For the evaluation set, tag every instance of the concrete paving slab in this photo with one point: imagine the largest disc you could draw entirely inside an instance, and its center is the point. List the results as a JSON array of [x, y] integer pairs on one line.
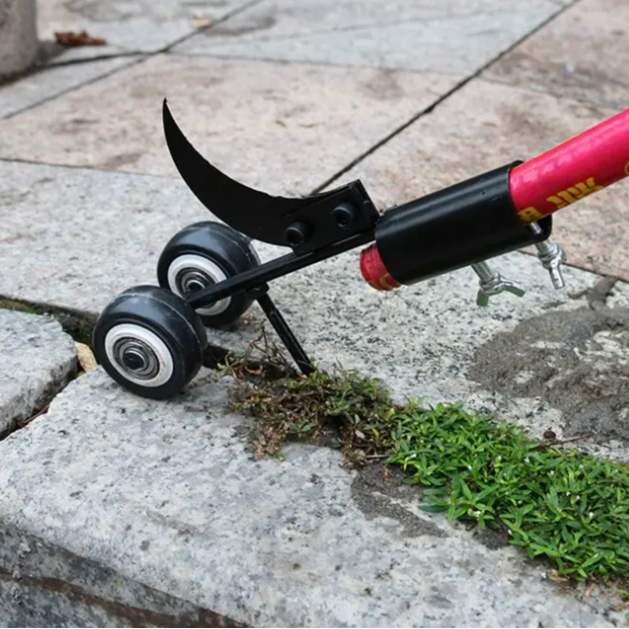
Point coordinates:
[[277, 126], [582, 54], [128, 26], [37, 361], [51, 82], [167, 497], [96, 234], [486, 125], [279, 18], [454, 37]]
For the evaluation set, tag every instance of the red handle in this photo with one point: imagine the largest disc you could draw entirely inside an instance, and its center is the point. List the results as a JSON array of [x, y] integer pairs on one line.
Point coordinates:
[[588, 162], [585, 164]]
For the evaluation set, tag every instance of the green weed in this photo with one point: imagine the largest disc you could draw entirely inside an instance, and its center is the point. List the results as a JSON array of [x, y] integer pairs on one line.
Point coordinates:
[[553, 502], [567, 506]]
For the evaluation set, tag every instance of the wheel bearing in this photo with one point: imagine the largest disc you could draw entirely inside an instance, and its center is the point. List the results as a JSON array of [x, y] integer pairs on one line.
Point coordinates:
[[191, 269], [127, 344]]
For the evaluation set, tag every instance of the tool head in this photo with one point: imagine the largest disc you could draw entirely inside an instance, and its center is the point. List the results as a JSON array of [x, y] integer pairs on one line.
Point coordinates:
[[302, 223]]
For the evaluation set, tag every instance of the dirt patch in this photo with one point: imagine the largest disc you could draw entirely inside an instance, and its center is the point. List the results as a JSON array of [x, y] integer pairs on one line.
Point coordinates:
[[559, 78], [492, 538], [383, 86], [576, 361], [124, 159], [376, 490], [256, 24], [341, 410]]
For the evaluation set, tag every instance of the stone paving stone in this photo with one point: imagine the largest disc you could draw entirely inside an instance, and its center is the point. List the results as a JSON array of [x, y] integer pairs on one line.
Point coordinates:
[[50, 82], [166, 497], [128, 26], [486, 125], [37, 359], [582, 54], [76, 238], [454, 37], [277, 126]]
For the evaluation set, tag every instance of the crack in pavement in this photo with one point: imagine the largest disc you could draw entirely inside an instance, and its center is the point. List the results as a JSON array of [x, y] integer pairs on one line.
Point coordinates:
[[71, 89], [143, 56], [442, 98]]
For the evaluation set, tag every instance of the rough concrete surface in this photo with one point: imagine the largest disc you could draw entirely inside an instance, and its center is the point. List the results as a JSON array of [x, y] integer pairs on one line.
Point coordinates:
[[582, 54], [80, 265], [51, 82], [45, 586], [119, 511], [487, 125], [18, 36], [450, 37], [578, 362], [281, 19], [69, 231], [277, 126], [38, 360], [262, 542], [128, 25]]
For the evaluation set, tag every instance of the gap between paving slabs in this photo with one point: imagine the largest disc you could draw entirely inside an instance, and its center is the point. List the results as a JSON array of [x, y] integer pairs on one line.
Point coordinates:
[[531, 493], [452, 455], [560, 504], [75, 325], [79, 326]]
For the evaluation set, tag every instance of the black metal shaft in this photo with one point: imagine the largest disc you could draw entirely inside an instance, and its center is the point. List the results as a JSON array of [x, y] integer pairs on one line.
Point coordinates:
[[264, 273], [285, 333], [469, 222]]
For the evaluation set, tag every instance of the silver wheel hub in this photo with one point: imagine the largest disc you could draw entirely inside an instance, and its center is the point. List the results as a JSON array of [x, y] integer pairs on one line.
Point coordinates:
[[139, 355], [191, 272]]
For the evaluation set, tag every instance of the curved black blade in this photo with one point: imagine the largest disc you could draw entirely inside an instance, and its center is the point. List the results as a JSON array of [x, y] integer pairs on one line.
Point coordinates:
[[254, 213]]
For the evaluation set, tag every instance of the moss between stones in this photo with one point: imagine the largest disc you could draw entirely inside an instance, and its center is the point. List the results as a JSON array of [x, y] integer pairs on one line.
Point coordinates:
[[555, 503], [78, 325]]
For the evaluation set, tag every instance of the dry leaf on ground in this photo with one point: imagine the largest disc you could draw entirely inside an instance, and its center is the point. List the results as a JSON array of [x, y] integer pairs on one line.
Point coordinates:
[[201, 22], [81, 38], [86, 357]]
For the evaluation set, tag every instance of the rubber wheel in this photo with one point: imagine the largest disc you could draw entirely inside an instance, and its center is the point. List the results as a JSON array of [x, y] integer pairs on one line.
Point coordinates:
[[150, 341], [204, 254]]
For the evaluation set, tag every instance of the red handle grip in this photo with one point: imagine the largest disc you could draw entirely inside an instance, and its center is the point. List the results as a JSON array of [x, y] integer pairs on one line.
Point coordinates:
[[588, 162]]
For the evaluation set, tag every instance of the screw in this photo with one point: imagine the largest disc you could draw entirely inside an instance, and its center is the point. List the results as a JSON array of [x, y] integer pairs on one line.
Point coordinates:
[[344, 215], [551, 255], [297, 233], [492, 283]]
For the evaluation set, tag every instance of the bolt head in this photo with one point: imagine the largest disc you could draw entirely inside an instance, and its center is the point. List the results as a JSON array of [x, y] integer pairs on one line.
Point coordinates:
[[297, 233], [344, 215]]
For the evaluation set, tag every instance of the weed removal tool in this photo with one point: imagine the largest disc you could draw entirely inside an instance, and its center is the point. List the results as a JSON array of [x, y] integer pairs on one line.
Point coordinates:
[[151, 339]]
